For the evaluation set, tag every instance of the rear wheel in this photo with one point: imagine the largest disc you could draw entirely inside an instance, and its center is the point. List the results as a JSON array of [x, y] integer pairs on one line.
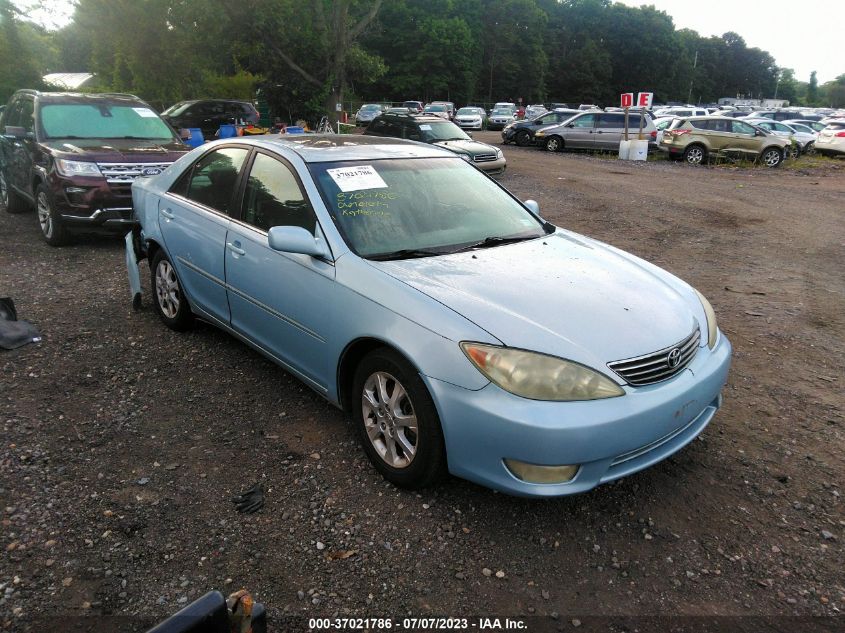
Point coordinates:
[[9, 200], [553, 144], [52, 230], [772, 157], [695, 155], [523, 138], [810, 149], [396, 420]]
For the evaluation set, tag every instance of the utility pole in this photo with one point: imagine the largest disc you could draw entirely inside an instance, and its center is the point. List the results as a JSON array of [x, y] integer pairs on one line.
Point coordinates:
[[692, 76]]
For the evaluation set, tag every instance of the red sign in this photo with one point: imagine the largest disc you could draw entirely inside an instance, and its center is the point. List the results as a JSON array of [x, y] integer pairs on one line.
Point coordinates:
[[627, 99], [644, 99]]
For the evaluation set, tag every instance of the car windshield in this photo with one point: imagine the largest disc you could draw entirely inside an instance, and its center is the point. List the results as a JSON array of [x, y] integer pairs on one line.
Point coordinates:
[[178, 108], [370, 107], [434, 131], [395, 208], [467, 111], [502, 112], [102, 120], [435, 108]]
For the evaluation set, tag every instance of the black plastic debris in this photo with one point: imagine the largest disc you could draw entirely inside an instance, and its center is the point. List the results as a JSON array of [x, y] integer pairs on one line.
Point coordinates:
[[251, 500], [14, 333]]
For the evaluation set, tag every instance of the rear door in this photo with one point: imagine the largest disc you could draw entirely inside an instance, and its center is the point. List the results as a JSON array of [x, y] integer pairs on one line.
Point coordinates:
[[610, 129], [194, 217], [20, 152]]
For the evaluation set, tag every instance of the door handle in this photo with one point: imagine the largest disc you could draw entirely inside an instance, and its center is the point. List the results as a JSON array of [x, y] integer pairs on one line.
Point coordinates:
[[167, 213], [235, 248]]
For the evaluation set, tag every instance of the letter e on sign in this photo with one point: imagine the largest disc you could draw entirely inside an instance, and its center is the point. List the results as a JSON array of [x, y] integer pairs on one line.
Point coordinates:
[[627, 99], [644, 99]]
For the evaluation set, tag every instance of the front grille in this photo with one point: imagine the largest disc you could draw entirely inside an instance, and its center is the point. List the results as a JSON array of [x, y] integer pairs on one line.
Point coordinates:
[[116, 173], [484, 158], [655, 367]]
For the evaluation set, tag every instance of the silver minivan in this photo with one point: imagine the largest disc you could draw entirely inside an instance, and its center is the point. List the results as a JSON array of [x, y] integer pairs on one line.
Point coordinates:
[[595, 130]]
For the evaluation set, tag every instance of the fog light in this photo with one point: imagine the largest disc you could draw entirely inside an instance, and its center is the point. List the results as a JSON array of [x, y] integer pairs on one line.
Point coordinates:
[[536, 474]]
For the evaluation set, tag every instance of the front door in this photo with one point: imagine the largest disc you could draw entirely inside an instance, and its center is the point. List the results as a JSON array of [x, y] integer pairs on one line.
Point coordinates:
[[280, 301], [580, 133]]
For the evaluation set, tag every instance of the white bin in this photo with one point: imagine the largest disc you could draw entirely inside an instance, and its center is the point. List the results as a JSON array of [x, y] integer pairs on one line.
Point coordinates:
[[624, 149], [638, 150]]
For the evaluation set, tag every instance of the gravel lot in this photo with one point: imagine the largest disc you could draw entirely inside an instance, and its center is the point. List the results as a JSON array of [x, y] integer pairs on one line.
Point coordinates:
[[123, 442]]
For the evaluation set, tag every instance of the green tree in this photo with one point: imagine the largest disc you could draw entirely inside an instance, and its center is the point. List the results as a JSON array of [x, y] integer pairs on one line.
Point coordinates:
[[813, 90], [18, 65]]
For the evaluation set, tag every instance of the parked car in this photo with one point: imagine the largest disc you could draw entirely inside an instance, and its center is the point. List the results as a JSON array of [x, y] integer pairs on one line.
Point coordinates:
[[533, 111], [681, 111], [695, 139], [438, 110], [500, 117], [413, 106], [831, 141], [799, 140], [815, 126], [450, 107], [75, 156], [733, 114], [504, 105], [209, 114], [367, 112], [783, 115], [471, 118], [390, 277], [399, 111], [661, 123], [594, 130], [522, 132], [434, 130]]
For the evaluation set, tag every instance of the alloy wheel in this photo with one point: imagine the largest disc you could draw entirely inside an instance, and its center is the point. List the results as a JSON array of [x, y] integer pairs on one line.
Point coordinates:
[[45, 218], [389, 419], [772, 158], [167, 289], [695, 155]]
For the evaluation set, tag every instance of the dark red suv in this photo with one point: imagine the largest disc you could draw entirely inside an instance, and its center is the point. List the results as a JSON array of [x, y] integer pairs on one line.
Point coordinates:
[[74, 157]]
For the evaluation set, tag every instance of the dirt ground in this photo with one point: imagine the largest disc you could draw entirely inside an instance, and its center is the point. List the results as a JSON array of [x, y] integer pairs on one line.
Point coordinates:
[[123, 442]]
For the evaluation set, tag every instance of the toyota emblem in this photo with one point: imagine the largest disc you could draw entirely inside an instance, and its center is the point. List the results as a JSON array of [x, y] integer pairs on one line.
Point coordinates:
[[674, 358]]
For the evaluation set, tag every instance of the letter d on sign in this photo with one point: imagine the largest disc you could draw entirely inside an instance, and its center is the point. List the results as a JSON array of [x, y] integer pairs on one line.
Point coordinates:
[[627, 99]]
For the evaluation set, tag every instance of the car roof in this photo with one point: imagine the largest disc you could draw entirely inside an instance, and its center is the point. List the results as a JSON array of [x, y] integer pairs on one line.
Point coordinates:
[[323, 148], [82, 97]]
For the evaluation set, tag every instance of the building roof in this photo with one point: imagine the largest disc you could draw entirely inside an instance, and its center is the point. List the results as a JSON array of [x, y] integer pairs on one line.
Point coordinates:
[[67, 81]]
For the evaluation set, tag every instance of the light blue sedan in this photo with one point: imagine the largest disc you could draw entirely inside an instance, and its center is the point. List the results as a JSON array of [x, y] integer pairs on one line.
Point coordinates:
[[457, 329]]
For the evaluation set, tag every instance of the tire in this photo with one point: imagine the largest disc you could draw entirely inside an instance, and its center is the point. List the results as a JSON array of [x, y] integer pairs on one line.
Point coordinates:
[[695, 155], [523, 138], [53, 231], [810, 149], [9, 200], [792, 152], [772, 157], [409, 450], [169, 300], [553, 144]]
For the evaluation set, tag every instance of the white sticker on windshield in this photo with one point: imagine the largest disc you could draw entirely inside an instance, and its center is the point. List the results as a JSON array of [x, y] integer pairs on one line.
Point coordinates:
[[146, 113], [425, 127], [357, 178]]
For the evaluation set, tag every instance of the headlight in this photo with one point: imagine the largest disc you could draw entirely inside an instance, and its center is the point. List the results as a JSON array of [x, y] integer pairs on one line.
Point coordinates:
[[499, 154], [538, 376], [712, 329], [539, 133], [466, 157], [509, 125], [77, 168]]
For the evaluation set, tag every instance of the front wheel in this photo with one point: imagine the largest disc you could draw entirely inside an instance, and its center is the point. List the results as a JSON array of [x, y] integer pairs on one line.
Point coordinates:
[[396, 420], [52, 230], [523, 138], [553, 144], [772, 157], [810, 149], [170, 302]]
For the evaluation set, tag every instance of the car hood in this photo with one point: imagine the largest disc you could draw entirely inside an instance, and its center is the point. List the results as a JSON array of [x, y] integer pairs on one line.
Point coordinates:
[[114, 150], [562, 294], [467, 147]]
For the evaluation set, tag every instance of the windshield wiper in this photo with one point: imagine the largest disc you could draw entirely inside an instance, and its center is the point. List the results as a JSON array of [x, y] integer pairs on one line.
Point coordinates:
[[405, 253], [457, 138], [495, 240]]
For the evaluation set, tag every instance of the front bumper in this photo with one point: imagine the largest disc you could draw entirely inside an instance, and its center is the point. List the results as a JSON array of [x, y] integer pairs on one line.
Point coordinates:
[[496, 125], [493, 167], [87, 204], [609, 438], [469, 125]]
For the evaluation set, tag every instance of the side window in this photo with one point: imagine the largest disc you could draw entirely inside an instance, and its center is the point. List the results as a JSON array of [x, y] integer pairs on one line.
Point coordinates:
[[549, 119], [588, 120], [617, 121], [212, 180], [411, 132], [738, 127], [273, 197]]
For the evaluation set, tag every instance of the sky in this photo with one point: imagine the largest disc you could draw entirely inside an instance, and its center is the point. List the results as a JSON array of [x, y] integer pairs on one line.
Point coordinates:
[[804, 36]]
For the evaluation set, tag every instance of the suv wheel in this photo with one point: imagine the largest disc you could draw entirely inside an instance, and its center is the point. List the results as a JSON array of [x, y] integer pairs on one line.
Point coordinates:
[[772, 157], [694, 155], [554, 144], [9, 200], [523, 138], [52, 230], [810, 149]]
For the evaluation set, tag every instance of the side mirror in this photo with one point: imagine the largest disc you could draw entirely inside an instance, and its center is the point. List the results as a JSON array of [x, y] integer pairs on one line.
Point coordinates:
[[571, 125], [759, 133], [15, 131], [533, 206], [295, 239]]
